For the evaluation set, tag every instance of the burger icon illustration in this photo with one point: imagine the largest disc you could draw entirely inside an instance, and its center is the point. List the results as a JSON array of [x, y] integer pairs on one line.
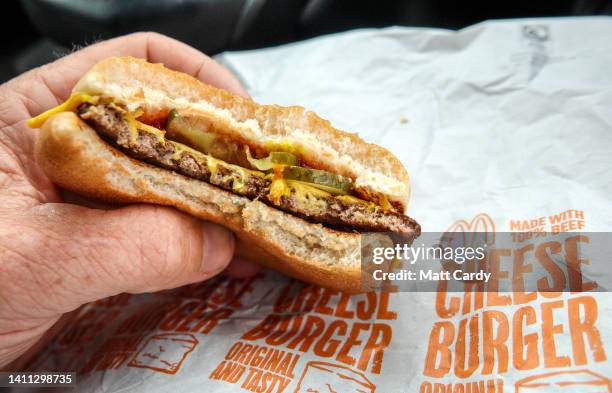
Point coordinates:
[[164, 352], [578, 381], [322, 377]]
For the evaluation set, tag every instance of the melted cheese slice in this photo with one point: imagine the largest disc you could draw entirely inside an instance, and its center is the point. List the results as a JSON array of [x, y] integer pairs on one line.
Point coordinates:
[[70, 105]]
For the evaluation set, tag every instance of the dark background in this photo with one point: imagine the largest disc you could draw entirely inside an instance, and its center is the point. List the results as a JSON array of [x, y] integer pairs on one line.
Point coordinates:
[[38, 31]]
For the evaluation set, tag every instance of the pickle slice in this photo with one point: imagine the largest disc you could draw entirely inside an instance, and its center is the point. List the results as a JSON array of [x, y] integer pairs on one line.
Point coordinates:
[[182, 130], [323, 180], [273, 159], [199, 134]]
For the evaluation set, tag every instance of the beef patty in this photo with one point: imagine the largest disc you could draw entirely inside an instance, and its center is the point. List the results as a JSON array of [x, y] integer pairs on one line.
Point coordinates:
[[338, 212]]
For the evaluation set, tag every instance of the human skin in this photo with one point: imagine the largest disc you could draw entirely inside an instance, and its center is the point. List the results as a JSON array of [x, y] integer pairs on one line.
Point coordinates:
[[59, 251]]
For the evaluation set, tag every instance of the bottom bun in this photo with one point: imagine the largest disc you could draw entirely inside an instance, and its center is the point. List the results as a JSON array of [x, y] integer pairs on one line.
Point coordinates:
[[74, 157]]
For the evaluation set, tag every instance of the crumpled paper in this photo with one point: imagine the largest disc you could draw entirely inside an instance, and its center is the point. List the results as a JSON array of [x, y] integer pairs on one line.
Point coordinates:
[[505, 126]]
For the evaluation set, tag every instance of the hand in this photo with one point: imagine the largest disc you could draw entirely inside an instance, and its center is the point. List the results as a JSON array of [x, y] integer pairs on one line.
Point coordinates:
[[56, 256]]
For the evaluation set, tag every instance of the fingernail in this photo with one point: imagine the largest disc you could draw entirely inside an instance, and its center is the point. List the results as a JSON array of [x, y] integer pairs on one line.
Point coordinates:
[[218, 248]]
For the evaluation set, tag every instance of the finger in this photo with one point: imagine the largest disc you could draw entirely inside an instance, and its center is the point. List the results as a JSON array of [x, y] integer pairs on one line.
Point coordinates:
[[241, 268], [157, 48], [74, 255], [59, 77], [184, 58]]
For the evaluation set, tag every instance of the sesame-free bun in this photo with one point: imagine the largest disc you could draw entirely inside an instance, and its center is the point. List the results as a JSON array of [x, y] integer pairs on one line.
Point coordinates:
[[74, 157], [156, 89]]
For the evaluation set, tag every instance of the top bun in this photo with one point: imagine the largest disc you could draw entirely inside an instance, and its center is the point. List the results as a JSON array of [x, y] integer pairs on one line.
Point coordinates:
[[154, 88]]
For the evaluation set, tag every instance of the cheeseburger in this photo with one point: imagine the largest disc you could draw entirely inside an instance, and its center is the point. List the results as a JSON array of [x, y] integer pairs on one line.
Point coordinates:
[[296, 191]]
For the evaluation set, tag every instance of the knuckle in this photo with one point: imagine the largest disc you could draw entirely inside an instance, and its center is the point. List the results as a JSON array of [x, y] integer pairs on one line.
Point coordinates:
[[148, 35]]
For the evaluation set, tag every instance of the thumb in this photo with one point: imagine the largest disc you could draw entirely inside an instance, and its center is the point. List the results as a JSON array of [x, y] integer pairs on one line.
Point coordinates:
[[74, 255]]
